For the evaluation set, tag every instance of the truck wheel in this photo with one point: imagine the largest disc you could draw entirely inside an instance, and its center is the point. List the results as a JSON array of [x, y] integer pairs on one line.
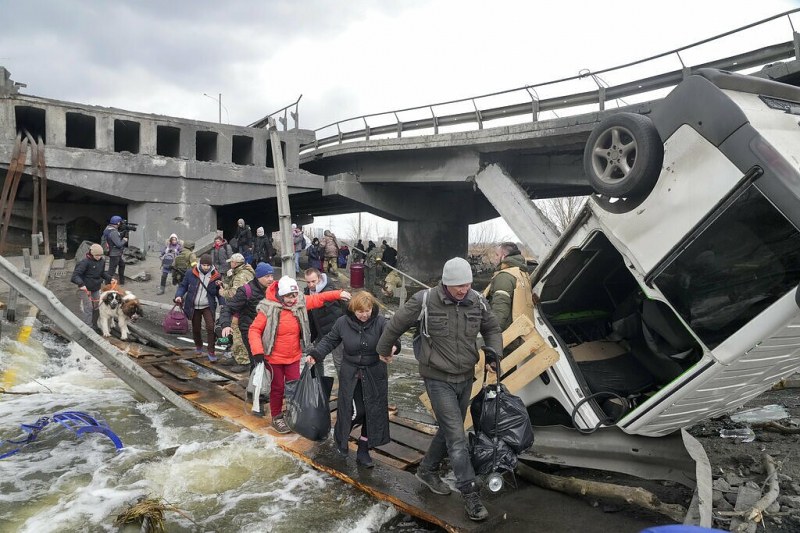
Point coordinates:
[[623, 156]]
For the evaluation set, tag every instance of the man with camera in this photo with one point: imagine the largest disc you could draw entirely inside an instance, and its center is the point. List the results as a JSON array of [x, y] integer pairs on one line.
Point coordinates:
[[114, 244]]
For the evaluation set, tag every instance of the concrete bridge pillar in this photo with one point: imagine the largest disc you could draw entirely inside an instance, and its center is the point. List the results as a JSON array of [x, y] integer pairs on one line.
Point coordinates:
[[158, 220], [424, 246]]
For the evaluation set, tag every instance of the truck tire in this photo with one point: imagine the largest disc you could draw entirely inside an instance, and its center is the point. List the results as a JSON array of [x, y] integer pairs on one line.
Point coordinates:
[[623, 157]]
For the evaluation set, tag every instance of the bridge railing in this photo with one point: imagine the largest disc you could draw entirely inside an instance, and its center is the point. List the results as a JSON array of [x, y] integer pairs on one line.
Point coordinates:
[[568, 103]]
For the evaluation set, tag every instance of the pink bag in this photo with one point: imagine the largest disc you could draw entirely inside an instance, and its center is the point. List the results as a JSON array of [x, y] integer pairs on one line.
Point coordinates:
[[175, 322]]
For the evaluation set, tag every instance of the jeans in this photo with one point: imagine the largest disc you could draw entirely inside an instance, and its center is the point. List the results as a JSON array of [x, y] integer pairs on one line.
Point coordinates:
[[297, 262], [449, 402], [115, 261]]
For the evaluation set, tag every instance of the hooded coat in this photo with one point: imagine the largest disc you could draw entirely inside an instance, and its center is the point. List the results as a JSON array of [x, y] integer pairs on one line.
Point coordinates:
[[359, 340], [188, 291], [286, 347]]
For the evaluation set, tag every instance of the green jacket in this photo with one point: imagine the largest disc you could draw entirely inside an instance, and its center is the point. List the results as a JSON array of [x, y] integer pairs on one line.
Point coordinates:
[[242, 274], [450, 353], [501, 289]]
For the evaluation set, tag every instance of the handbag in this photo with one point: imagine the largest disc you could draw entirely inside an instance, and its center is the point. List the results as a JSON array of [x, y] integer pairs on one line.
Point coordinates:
[[175, 322], [259, 384]]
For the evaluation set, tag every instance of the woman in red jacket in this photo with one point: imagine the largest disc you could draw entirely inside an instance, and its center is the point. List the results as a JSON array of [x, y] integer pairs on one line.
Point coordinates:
[[277, 332]]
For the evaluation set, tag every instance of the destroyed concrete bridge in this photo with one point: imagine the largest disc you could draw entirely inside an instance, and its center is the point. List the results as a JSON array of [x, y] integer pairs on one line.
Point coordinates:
[[434, 173]]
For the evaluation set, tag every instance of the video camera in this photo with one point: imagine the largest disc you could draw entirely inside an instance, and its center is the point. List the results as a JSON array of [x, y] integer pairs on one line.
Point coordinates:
[[126, 227]]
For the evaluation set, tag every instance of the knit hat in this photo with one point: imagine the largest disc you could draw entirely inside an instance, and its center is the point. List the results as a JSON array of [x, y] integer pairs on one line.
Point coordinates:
[[294, 226], [456, 271], [264, 269], [287, 285], [236, 258], [205, 259], [260, 232], [96, 250]]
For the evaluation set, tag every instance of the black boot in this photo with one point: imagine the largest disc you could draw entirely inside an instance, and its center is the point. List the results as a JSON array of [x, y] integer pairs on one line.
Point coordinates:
[[472, 502], [95, 318], [362, 455]]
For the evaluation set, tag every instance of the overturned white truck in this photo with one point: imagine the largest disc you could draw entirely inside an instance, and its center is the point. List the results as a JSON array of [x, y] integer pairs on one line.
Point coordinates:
[[673, 297]]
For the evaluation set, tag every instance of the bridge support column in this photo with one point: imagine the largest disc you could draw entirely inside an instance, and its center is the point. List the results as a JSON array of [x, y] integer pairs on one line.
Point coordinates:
[[158, 220], [427, 245]]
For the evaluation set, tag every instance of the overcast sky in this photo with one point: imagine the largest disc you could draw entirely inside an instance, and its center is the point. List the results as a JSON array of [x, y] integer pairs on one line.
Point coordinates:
[[345, 58]]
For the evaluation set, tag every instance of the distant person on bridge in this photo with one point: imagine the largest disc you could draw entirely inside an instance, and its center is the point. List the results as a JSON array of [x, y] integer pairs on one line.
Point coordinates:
[[331, 247], [510, 293], [238, 275], [389, 255], [185, 260], [315, 254], [358, 254], [244, 240], [447, 353], [299, 245], [89, 275], [363, 378], [220, 253], [284, 310], [168, 255], [263, 250], [371, 265], [114, 245]]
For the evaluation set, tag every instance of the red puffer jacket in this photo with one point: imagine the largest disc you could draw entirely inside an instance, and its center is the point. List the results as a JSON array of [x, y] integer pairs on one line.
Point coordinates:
[[287, 339]]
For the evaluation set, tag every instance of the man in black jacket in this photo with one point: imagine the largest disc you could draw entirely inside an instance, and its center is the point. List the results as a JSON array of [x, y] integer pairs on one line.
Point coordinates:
[[322, 319], [115, 245], [245, 303], [89, 275]]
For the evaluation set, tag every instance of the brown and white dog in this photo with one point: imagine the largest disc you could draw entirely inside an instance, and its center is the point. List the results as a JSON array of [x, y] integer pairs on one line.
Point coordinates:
[[118, 305]]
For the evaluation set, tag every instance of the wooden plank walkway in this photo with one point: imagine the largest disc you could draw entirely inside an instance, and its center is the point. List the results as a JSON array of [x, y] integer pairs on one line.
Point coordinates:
[[391, 480]]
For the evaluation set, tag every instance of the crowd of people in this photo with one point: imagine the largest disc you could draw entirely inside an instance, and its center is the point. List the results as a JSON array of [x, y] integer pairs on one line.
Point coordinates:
[[277, 323]]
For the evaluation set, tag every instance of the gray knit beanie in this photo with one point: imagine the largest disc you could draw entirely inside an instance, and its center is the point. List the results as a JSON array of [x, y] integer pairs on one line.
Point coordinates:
[[456, 272]]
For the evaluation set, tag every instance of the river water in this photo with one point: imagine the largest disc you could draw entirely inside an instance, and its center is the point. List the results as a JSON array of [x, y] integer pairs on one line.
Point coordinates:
[[222, 479]]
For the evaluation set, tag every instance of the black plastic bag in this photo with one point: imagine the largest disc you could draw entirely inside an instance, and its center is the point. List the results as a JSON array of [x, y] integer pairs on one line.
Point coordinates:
[[307, 399], [513, 427], [482, 453]]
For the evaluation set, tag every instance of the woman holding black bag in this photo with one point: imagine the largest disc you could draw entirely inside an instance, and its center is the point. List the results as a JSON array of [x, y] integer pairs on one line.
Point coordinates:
[[363, 377]]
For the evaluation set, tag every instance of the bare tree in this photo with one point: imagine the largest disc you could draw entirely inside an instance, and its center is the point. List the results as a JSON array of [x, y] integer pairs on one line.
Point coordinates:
[[561, 211]]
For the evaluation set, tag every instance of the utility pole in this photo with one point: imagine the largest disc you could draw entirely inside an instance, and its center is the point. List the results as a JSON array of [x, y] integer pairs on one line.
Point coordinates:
[[284, 212]]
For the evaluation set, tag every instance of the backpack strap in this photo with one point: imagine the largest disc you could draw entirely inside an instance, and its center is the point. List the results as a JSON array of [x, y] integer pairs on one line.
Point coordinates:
[[423, 314]]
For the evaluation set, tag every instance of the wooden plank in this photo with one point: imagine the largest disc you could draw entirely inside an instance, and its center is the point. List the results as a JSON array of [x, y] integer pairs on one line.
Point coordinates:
[[413, 424], [176, 370], [403, 453], [388, 460], [410, 437], [531, 370], [181, 387]]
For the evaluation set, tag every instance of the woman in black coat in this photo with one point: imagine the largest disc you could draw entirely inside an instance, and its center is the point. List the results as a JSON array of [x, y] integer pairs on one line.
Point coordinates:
[[363, 377]]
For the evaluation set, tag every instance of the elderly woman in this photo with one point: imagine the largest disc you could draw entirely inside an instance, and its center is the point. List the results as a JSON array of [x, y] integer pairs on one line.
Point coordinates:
[[363, 379], [278, 333]]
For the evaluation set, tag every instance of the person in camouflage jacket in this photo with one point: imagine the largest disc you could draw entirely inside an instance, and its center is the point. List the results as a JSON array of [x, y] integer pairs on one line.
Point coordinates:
[[239, 274]]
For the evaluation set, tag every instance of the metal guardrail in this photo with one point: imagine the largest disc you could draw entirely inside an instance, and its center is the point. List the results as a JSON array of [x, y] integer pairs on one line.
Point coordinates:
[[264, 122], [534, 105]]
